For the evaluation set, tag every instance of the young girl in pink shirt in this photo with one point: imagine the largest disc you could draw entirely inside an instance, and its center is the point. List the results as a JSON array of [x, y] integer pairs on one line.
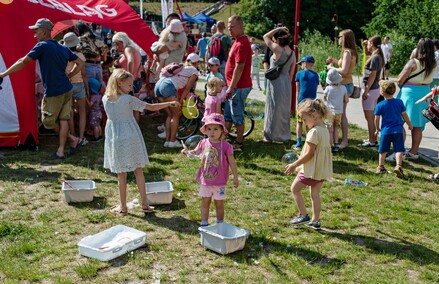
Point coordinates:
[[216, 158]]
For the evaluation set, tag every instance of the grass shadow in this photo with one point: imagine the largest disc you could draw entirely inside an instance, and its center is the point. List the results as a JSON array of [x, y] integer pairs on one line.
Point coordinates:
[[399, 248], [98, 202], [174, 223], [177, 204]]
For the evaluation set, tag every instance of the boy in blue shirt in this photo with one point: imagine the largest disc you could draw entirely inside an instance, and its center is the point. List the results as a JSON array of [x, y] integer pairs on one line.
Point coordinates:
[[392, 112], [307, 82]]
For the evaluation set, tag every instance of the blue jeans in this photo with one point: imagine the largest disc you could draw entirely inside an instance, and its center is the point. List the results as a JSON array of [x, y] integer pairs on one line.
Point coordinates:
[[234, 108], [78, 91], [165, 88]]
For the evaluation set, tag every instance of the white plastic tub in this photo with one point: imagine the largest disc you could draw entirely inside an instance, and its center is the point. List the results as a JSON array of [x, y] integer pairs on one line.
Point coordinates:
[[223, 238], [78, 190], [111, 243], [159, 192]]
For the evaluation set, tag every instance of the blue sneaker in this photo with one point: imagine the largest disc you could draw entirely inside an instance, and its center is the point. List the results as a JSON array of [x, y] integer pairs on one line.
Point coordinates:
[[314, 225]]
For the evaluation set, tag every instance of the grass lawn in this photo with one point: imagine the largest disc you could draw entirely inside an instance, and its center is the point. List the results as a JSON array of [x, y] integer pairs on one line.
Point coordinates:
[[386, 232]]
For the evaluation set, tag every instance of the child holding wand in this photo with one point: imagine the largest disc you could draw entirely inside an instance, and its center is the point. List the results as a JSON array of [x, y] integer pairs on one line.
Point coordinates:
[[314, 164], [124, 149], [216, 158]]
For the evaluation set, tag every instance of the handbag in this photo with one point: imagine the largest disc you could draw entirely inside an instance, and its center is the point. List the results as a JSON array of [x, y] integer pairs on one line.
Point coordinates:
[[356, 93], [432, 113], [274, 72]]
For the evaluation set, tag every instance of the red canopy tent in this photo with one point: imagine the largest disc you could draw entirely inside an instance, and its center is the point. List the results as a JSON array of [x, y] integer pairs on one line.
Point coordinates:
[[18, 119]]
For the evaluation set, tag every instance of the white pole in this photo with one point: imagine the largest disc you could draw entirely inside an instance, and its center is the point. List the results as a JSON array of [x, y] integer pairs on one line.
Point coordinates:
[[141, 9]]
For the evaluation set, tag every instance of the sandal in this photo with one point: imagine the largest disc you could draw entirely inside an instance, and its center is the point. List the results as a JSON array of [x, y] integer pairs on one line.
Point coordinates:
[[434, 177], [118, 210], [149, 209]]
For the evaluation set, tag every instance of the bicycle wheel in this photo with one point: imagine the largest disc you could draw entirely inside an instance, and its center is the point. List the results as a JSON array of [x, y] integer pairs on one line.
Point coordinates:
[[187, 128], [249, 126]]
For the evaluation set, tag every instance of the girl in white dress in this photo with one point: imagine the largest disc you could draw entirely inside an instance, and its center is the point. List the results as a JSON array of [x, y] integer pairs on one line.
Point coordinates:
[[125, 149]]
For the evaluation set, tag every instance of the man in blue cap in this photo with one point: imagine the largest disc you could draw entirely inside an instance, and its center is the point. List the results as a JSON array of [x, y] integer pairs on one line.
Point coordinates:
[[307, 82]]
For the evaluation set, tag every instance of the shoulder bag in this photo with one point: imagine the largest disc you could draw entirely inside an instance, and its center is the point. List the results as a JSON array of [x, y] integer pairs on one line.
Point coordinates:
[[274, 72]]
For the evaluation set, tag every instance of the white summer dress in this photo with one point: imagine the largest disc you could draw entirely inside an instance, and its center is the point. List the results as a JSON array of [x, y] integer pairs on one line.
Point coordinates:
[[124, 149]]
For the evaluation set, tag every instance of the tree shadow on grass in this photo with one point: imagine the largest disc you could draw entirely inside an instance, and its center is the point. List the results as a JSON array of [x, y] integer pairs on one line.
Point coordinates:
[[177, 204], [174, 223], [27, 174], [399, 248], [98, 202]]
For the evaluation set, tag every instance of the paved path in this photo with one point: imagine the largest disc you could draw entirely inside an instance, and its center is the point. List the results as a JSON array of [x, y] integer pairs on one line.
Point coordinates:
[[429, 144]]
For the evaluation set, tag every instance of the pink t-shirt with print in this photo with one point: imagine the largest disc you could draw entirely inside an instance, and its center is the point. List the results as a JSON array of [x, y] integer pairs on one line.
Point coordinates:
[[214, 168]]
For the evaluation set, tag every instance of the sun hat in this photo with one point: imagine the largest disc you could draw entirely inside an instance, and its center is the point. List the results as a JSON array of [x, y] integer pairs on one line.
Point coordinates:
[[213, 118], [333, 77], [189, 108], [70, 39], [193, 57], [214, 61], [307, 58], [42, 23], [94, 86], [176, 26], [388, 86]]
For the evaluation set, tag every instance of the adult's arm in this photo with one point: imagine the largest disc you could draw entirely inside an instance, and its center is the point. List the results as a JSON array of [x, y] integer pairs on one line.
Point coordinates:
[[188, 87], [370, 80], [129, 54], [292, 67], [78, 67], [17, 66], [237, 72], [268, 39], [405, 73]]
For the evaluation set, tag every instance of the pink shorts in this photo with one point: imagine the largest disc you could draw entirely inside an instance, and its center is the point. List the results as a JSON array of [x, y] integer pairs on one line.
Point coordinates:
[[307, 181], [371, 102], [218, 192]]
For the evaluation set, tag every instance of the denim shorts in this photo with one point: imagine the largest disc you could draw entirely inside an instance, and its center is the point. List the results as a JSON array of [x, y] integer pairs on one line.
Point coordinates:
[[397, 139], [234, 108], [78, 91], [349, 88], [165, 88]]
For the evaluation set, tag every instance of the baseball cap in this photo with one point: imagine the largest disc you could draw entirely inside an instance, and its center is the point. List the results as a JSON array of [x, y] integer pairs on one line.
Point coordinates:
[[193, 57], [70, 39], [42, 23], [214, 61], [388, 86], [307, 58]]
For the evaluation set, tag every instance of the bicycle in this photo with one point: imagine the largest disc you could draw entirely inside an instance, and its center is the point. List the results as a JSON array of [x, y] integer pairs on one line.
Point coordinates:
[[189, 127]]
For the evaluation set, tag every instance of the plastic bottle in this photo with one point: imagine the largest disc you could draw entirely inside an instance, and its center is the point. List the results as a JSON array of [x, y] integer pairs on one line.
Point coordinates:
[[354, 182]]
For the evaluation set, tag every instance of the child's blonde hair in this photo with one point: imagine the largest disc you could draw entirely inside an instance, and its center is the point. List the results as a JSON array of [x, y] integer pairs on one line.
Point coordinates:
[[212, 84], [318, 106], [119, 75]]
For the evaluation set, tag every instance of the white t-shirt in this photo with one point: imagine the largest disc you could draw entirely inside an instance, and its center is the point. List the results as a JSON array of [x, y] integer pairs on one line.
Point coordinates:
[[180, 80], [386, 51], [335, 96]]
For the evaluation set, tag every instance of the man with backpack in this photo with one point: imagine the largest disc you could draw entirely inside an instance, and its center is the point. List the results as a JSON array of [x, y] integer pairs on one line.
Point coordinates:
[[219, 46]]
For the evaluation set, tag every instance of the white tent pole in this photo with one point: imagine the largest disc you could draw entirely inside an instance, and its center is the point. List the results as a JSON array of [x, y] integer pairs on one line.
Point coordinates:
[[141, 9]]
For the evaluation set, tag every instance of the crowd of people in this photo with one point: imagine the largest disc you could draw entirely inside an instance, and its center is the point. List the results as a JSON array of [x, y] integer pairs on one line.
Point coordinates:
[[115, 81]]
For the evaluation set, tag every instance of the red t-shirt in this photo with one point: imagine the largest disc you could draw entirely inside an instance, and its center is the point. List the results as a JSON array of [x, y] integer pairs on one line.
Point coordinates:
[[240, 52]]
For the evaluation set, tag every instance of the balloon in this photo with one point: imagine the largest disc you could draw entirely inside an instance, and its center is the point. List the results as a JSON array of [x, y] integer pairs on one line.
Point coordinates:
[[193, 141], [289, 158], [6, 2]]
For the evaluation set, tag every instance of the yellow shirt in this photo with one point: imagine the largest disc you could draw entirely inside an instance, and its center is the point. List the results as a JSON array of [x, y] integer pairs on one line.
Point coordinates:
[[420, 79], [320, 165]]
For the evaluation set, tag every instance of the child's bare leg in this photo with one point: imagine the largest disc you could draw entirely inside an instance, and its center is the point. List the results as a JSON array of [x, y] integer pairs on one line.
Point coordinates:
[[140, 181], [299, 130], [205, 204], [335, 132], [122, 185], [399, 157], [331, 133], [296, 188], [382, 158], [315, 201], [219, 206]]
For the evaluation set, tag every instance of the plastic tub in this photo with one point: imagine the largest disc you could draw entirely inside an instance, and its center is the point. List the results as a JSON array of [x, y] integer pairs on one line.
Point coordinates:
[[223, 238], [111, 243], [78, 190], [159, 192]]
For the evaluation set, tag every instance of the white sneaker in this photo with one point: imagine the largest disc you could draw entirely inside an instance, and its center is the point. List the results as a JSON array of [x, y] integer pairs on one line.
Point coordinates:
[[175, 144], [166, 144], [162, 135], [411, 156], [391, 158], [161, 128]]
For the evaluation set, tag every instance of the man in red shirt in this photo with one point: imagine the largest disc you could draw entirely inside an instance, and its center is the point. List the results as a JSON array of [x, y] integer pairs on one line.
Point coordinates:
[[238, 78]]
